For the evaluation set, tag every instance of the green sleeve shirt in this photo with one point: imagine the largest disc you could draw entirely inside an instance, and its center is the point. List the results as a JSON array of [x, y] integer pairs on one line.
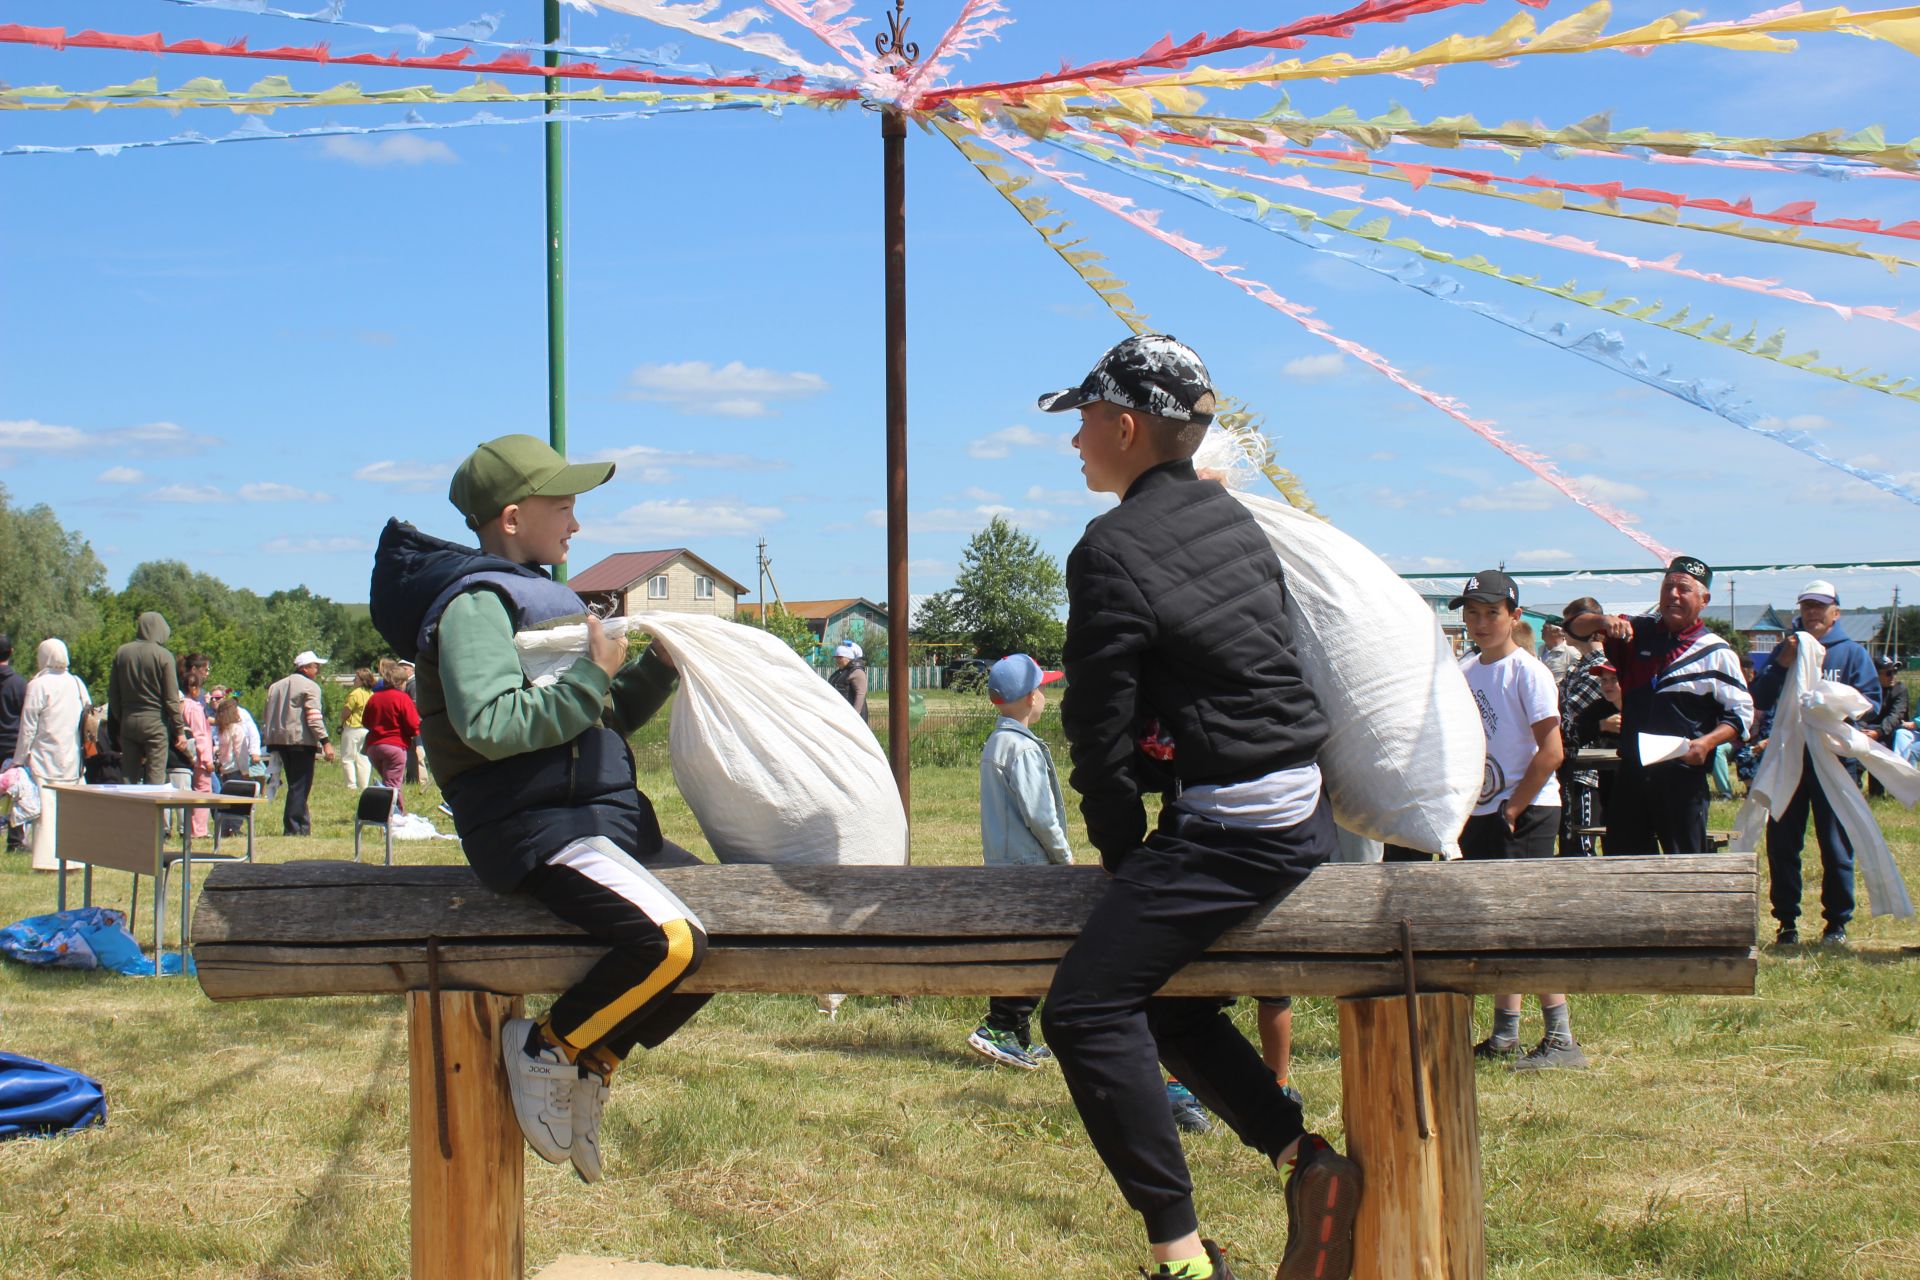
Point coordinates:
[[498, 714]]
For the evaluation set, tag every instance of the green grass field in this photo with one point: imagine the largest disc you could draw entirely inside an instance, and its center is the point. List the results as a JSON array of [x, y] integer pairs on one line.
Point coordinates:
[[1749, 1138]]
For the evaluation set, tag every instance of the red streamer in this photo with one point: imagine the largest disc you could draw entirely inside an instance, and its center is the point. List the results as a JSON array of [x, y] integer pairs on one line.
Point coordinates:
[[510, 64], [1165, 53], [1798, 213]]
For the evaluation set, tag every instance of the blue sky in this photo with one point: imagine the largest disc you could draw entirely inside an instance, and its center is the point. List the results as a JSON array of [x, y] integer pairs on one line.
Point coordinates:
[[248, 356]]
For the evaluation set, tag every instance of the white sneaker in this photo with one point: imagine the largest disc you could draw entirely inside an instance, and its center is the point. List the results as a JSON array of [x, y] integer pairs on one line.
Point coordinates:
[[542, 1087], [589, 1103]]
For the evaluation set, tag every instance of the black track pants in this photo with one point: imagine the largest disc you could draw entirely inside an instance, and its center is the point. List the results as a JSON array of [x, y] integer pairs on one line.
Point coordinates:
[[654, 943], [1169, 900]]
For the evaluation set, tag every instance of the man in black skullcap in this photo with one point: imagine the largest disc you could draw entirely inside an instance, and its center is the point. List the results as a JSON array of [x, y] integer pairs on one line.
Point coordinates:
[[1678, 680]]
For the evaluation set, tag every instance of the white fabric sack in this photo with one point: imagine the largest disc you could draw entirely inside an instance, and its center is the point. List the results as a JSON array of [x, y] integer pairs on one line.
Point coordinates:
[[774, 763], [1405, 754], [1811, 720], [546, 653]]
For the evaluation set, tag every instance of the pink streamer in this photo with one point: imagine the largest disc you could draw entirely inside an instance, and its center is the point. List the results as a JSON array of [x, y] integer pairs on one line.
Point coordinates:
[[826, 19], [1669, 265], [978, 21], [1147, 220]]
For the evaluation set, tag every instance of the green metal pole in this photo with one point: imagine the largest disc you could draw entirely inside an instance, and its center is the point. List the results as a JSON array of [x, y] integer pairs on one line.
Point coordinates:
[[556, 268]]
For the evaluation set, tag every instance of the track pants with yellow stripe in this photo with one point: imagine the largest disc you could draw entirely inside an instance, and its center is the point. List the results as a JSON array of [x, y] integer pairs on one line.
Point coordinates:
[[654, 942]]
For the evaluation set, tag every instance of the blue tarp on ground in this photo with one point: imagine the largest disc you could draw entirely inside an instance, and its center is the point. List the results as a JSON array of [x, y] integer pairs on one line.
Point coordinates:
[[83, 938], [38, 1098]]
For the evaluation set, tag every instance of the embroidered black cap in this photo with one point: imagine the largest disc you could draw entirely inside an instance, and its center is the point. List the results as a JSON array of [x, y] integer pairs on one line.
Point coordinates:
[[1694, 568], [1489, 586], [1150, 372]]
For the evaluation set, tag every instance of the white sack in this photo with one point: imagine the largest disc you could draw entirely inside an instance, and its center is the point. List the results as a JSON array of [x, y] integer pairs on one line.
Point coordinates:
[[547, 652], [1811, 720], [774, 763], [1406, 754]]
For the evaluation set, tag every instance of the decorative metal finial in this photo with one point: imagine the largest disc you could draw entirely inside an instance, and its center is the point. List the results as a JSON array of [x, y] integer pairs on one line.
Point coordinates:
[[893, 43]]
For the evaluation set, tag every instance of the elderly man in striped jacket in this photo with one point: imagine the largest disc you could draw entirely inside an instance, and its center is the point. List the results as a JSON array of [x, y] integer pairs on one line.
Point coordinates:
[[1679, 680]]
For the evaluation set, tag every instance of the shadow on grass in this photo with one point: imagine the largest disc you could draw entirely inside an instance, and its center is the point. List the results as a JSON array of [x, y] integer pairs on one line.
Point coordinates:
[[305, 1244]]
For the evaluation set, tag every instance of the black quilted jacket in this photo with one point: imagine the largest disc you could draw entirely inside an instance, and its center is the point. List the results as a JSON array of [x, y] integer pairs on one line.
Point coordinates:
[[1175, 623]]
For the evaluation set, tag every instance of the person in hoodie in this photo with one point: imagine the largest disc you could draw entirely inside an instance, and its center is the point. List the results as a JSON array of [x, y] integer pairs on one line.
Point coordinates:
[[143, 702], [539, 780], [1846, 662]]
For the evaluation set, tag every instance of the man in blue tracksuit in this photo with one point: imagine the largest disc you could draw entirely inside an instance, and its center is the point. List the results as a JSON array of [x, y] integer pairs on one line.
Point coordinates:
[[1847, 662]]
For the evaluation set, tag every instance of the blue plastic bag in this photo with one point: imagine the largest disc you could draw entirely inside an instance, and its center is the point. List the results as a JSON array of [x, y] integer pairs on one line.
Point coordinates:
[[83, 938], [39, 1099]]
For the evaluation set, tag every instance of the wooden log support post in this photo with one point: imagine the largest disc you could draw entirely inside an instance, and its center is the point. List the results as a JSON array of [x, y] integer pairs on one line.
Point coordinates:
[[467, 1200], [1421, 1217]]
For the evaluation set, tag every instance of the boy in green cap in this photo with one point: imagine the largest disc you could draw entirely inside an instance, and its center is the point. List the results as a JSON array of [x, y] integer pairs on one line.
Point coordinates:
[[539, 779]]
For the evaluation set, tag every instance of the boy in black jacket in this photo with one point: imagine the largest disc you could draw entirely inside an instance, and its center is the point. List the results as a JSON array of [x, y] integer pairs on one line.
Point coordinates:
[[1182, 678]]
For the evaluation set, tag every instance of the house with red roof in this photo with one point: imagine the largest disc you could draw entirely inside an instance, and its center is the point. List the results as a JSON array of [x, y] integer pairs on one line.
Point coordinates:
[[675, 580]]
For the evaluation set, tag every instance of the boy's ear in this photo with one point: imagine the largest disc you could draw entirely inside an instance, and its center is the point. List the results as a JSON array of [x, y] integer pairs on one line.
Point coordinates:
[[1129, 429], [509, 518]]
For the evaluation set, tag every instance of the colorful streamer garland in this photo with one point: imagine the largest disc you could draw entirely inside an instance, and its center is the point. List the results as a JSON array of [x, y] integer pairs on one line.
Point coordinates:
[[1148, 221], [1145, 107], [1229, 199]]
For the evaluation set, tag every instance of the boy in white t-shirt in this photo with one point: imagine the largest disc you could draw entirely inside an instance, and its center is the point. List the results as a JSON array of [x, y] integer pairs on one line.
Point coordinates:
[[1518, 815]]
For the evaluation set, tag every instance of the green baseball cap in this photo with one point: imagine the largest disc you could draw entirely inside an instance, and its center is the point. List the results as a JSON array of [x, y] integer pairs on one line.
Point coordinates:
[[510, 468]]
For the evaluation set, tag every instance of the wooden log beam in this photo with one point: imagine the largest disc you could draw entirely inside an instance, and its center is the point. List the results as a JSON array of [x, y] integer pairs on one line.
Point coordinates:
[[1681, 924]]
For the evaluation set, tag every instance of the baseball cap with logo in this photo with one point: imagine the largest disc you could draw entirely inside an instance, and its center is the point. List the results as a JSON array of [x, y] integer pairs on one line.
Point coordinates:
[[510, 468], [1819, 591], [1014, 677], [1489, 586], [1150, 372]]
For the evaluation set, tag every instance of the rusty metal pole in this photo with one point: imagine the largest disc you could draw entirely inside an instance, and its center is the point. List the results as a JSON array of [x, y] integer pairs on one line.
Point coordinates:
[[900, 54], [893, 134]]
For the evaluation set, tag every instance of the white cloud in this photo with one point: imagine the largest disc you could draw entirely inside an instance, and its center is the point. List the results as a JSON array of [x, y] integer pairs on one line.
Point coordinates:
[[1538, 495], [407, 477], [395, 148], [25, 435], [661, 518], [1313, 368], [733, 390], [1001, 443], [1417, 564], [314, 546], [274, 491], [650, 465], [1544, 555], [1382, 455], [1798, 422], [974, 493], [194, 494], [121, 475], [1071, 497]]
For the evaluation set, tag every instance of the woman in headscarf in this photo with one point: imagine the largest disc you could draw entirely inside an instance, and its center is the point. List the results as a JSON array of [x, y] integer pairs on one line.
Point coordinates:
[[50, 720]]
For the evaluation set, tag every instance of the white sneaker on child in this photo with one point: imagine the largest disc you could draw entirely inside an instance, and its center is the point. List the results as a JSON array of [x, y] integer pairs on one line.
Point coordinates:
[[542, 1085], [589, 1104]]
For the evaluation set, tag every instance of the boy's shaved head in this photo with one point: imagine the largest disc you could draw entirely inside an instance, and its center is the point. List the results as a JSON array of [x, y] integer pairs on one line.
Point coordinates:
[[1171, 437]]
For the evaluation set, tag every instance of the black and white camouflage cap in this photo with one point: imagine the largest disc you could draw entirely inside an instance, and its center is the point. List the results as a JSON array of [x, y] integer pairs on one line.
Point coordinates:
[[1150, 372]]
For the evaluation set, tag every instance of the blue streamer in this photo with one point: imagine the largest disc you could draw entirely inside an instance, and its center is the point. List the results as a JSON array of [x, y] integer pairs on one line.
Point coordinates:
[[255, 131], [1602, 346]]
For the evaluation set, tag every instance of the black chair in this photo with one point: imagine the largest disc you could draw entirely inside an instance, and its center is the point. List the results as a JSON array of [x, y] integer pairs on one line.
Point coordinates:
[[230, 824], [376, 810]]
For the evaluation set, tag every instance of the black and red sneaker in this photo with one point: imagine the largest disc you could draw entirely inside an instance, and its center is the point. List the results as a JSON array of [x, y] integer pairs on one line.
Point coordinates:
[[1323, 1199], [1215, 1255]]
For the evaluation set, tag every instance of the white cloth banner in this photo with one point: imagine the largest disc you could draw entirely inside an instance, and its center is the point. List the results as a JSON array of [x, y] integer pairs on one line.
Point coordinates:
[[1810, 720]]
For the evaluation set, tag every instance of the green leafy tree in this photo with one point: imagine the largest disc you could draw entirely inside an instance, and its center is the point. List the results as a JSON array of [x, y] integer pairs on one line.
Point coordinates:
[[1724, 629], [790, 629], [1008, 594], [1907, 639], [50, 580], [939, 630]]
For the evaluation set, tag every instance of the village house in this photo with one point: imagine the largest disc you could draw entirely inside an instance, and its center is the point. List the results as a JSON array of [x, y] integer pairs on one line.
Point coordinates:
[[854, 618], [674, 580]]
